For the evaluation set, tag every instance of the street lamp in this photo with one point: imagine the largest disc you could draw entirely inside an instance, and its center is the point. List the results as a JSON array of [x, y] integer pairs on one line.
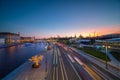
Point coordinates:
[[106, 51], [46, 62]]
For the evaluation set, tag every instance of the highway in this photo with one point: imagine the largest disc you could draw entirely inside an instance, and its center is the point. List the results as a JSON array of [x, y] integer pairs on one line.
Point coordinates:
[[85, 71], [62, 69], [95, 71], [100, 72], [69, 65], [65, 67], [86, 68], [77, 67]]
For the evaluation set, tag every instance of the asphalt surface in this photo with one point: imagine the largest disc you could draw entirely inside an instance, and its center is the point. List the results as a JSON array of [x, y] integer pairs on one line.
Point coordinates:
[[65, 66], [83, 74], [104, 74], [78, 66], [62, 69]]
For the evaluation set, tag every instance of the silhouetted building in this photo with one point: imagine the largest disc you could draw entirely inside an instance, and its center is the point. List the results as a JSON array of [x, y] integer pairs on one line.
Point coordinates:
[[9, 38], [27, 39], [110, 36]]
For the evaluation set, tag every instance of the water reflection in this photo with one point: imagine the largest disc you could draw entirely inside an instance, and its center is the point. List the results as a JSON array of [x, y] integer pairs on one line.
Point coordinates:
[[12, 57], [11, 50]]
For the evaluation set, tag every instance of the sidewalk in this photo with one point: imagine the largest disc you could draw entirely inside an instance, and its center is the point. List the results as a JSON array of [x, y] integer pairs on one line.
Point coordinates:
[[113, 70], [114, 62], [26, 72]]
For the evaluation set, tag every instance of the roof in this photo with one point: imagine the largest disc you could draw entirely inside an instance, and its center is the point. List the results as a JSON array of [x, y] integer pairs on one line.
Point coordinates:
[[8, 33]]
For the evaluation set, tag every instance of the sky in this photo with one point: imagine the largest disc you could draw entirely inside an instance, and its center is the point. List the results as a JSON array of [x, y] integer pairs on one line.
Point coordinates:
[[42, 18]]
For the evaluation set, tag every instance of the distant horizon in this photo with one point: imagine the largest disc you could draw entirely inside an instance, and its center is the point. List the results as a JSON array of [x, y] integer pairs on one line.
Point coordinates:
[[64, 36], [44, 19]]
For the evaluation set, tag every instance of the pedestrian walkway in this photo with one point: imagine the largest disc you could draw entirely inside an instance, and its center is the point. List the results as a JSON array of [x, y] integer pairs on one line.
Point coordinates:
[[114, 61], [113, 70], [26, 72]]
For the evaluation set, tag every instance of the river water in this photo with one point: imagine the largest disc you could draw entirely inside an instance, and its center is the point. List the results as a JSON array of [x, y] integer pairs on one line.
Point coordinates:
[[12, 57]]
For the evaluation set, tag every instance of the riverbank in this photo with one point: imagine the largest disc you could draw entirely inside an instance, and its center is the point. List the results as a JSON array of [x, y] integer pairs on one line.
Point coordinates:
[[12, 57], [26, 72]]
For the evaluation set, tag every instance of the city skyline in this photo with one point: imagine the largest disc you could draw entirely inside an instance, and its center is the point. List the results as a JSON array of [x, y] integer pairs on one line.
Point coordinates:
[[51, 18]]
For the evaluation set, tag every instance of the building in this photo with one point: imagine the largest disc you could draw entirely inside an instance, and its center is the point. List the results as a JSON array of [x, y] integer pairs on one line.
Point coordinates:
[[27, 39], [9, 38], [110, 36]]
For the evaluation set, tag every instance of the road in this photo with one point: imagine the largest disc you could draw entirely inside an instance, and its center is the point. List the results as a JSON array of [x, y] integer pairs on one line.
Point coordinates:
[[97, 73], [98, 67], [69, 65], [65, 67]]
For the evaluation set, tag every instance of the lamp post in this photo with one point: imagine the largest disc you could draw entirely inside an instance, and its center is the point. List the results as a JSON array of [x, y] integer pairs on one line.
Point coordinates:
[[46, 62], [106, 51]]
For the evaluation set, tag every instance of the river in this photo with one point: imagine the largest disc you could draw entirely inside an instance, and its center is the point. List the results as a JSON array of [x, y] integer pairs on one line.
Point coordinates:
[[12, 57]]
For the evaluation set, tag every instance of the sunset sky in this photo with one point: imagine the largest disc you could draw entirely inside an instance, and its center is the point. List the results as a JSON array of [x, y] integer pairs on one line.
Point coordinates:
[[42, 18]]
